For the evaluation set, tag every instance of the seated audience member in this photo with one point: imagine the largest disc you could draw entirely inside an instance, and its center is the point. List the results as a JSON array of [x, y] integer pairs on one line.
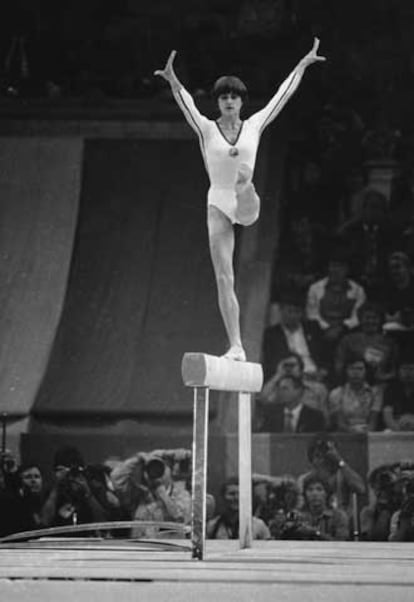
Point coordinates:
[[334, 301], [287, 412], [402, 521], [370, 238], [32, 492], [355, 407], [14, 516], [275, 501], [71, 500], [294, 333], [317, 518], [315, 393], [226, 524], [399, 293], [155, 484], [327, 462], [398, 407], [274, 496], [375, 518], [368, 343]]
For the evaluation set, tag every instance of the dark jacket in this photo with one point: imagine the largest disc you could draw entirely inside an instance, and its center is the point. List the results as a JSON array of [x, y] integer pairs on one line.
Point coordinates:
[[310, 420], [275, 346]]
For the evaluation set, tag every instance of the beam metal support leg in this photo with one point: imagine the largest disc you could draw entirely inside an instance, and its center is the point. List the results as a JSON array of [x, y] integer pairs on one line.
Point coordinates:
[[245, 471], [199, 473]]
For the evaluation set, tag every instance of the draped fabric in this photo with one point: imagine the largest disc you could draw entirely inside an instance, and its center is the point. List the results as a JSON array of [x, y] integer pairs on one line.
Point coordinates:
[[39, 194], [141, 290]]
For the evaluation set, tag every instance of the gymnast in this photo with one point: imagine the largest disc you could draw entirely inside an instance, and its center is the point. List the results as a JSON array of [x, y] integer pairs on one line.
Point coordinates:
[[229, 147]]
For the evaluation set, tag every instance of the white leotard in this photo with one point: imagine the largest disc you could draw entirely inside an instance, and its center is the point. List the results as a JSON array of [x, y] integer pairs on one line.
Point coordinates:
[[222, 168]]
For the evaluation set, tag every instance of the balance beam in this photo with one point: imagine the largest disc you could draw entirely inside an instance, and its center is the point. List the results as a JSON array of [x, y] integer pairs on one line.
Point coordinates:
[[220, 373], [204, 372]]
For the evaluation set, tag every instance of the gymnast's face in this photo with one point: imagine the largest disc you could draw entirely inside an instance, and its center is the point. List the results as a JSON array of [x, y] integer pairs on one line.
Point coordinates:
[[229, 104]]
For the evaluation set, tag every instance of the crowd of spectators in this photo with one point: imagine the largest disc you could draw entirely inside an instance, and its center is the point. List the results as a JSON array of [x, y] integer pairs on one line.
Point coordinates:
[[342, 306], [149, 496]]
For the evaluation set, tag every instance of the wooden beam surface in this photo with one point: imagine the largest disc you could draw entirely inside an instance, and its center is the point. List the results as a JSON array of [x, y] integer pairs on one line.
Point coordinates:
[[220, 373]]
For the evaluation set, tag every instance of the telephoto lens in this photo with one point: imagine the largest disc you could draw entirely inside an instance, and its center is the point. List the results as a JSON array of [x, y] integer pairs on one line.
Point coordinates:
[[155, 468]]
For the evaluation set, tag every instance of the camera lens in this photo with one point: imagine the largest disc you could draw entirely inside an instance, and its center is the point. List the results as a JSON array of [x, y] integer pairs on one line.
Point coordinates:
[[155, 468]]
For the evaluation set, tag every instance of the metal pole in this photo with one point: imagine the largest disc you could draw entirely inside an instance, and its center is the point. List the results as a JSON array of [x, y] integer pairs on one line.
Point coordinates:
[[245, 471], [199, 473]]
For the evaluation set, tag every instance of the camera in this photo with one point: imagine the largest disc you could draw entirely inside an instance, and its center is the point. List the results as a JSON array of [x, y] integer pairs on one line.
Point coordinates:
[[155, 468]]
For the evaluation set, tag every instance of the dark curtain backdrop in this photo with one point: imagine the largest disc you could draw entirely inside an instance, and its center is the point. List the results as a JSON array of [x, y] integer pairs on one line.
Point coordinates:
[[141, 289]]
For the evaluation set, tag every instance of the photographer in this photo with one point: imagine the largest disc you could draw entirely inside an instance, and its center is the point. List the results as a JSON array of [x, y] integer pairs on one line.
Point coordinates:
[[327, 462], [273, 496], [375, 519], [318, 520], [154, 488], [402, 521], [71, 500]]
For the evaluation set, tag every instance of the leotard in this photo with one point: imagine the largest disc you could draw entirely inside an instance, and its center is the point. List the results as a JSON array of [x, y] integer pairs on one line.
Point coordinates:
[[221, 160]]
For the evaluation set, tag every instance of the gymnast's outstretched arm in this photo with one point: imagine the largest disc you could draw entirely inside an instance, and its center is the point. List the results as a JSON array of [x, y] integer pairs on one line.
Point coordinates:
[[183, 98], [262, 118]]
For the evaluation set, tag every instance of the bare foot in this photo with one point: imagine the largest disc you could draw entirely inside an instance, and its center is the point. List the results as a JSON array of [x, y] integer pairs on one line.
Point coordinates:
[[237, 353]]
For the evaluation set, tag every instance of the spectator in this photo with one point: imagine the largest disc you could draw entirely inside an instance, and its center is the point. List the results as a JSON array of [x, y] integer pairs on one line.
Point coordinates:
[[159, 491], [71, 500], [14, 517], [368, 343], [398, 410], [317, 518], [226, 524], [399, 293], [370, 237], [102, 487], [355, 407], [315, 393], [327, 462], [294, 333], [334, 301], [31, 489], [288, 413], [402, 521], [274, 498], [375, 518]]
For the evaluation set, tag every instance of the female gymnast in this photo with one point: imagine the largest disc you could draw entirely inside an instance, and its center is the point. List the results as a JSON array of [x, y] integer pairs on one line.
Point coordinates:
[[229, 147]]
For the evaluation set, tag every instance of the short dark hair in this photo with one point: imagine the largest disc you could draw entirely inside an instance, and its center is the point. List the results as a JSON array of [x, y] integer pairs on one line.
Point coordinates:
[[297, 357], [313, 478], [371, 307], [227, 84]]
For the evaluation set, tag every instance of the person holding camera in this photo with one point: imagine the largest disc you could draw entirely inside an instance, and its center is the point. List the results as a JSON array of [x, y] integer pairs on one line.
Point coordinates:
[[327, 462], [318, 520], [153, 487], [71, 500], [375, 518], [402, 521]]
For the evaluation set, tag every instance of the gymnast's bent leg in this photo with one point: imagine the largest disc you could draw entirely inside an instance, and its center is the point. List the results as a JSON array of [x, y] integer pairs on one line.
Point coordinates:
[[221, 239]]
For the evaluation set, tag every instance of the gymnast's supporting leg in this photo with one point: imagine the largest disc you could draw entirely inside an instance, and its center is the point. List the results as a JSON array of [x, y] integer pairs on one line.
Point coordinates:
[[221, 238]]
